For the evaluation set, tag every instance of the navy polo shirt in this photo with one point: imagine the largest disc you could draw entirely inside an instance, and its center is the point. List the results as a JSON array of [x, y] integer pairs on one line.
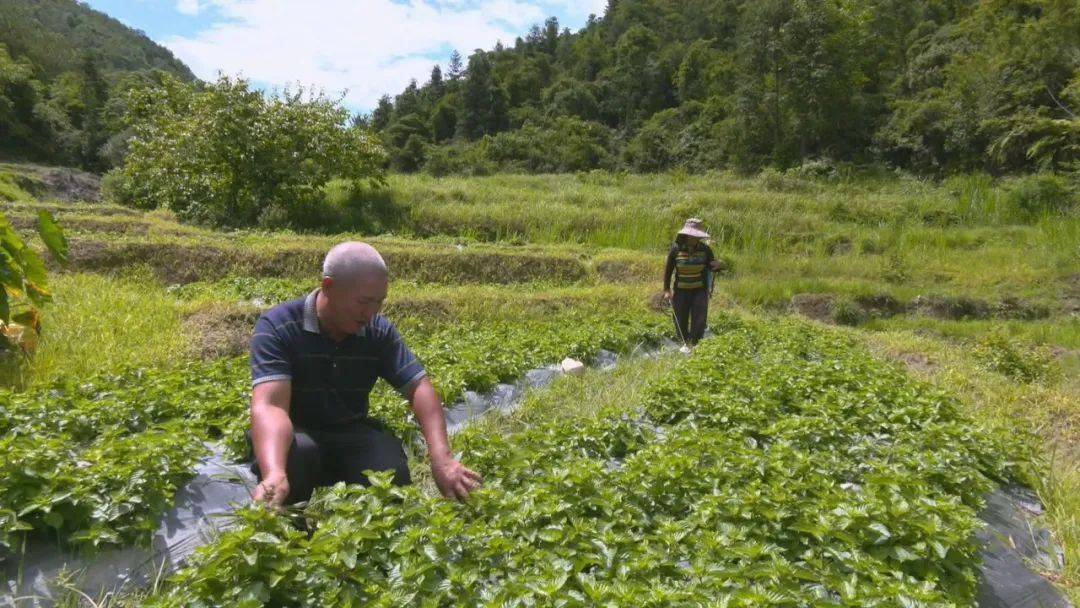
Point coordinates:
[[330, 380]]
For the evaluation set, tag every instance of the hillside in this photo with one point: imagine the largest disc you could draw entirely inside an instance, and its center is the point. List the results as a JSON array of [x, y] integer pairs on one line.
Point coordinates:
[[55, 35], [932, 86], [63, 70]]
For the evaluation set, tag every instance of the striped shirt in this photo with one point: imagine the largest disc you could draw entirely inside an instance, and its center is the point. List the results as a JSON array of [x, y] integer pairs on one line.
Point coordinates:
[[691, 268], [330, 380]]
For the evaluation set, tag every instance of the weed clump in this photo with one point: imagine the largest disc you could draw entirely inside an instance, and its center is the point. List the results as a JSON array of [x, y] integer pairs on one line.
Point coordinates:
[[997, 353]]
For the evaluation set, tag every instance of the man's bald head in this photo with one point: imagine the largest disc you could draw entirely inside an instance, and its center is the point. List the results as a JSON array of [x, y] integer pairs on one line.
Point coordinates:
[[350, 262]]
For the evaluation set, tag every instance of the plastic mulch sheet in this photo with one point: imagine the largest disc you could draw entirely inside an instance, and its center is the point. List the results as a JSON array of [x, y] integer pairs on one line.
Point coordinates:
[[202, 508]]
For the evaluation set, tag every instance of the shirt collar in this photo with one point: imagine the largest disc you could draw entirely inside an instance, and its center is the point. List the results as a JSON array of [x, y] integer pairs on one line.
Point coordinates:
[[311, 320]]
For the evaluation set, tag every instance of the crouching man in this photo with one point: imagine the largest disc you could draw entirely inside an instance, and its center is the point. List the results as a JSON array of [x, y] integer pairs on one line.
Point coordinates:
[[314, 362]]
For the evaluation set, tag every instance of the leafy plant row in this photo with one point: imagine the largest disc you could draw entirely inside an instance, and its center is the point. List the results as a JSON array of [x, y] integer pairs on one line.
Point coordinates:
[[778, 466], [95, 461]]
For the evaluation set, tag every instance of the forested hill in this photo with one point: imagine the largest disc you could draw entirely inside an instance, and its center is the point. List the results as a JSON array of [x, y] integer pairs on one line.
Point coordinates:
[[61, 63], [932, 86], [56, 35]]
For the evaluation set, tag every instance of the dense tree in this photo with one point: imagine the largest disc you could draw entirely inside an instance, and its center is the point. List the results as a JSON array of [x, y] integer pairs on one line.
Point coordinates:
[[928, 85], [932, 86], [436, 86], [383, 112], [484, 104], [64, 69], [455, 68], [228, 155]]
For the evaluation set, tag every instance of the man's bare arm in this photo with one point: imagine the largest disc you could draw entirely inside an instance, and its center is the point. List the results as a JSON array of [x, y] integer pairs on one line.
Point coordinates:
[[452, 478], [271, 435]]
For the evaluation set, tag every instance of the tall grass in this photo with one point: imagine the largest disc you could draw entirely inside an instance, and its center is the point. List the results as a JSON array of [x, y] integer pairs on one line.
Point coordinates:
[[98, 323], [643, 211]]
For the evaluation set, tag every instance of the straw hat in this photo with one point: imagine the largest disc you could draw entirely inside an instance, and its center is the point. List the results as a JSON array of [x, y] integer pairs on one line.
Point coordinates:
[[692, 227]]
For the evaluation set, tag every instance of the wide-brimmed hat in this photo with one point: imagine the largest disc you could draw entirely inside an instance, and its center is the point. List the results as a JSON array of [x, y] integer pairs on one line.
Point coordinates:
[[692, 227]]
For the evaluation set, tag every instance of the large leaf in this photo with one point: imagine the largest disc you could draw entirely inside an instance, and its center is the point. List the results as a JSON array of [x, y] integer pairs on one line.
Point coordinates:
[[33, 268], [53, 236], [10, 271]]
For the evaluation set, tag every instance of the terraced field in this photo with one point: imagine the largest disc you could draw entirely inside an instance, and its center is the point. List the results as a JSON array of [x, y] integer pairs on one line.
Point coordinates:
[[831, 444]]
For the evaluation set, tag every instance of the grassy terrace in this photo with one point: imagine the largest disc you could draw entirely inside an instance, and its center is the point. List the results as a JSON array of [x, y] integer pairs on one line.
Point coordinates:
[[950, 281]]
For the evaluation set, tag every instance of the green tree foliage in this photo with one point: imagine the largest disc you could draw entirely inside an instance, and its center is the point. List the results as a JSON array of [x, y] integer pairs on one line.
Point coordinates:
[[933, 86], [63, 69], [991, 91], [484, 103], [22, 122], [227, 155], [56, 35], [455, 68]]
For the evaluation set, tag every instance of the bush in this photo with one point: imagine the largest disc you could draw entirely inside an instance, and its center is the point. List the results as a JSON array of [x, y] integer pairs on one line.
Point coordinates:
[[1033, 196], [345, 205], [845, 311], [560, 145], [819, 168], [225, 155], [775, 180], [459, 159], [999, 354]]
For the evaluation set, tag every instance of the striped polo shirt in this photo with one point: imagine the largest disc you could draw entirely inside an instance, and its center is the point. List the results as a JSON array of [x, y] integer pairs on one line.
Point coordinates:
[[330, 380]]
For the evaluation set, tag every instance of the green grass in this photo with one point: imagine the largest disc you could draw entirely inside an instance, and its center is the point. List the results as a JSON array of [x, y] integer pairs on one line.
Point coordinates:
[[100, 323], [1062, 332], [10, 190]]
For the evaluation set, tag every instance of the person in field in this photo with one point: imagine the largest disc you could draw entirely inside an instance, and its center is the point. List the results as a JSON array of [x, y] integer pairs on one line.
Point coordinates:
[[314, 362], [691, 263]]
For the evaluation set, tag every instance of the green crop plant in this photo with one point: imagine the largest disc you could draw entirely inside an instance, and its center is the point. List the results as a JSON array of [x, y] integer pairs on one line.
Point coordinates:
[[93, 461], [780, 465]]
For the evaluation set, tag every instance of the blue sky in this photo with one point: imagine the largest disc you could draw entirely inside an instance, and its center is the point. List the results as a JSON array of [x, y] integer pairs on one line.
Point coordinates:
[[359, 48]]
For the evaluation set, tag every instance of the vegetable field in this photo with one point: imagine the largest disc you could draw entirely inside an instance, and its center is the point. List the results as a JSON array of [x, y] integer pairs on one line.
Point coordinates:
[[872, 374], [94, 461], [800, 471]]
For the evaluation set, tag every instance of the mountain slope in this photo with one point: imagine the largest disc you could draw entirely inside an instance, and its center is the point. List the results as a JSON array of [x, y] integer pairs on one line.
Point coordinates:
[[55, 36]]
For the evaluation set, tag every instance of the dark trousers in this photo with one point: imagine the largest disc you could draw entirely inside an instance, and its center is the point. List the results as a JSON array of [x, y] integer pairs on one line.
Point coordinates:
[[323, 458], [691, 307]]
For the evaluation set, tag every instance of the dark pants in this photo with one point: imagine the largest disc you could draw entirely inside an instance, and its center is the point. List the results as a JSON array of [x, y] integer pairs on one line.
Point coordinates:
[[691, 308], [323, 458]]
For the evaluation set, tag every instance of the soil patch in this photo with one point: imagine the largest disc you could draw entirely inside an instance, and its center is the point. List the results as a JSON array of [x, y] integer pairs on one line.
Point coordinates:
[[914, 361], [219, 330], [70, 185], [954, 308], [817, 306], [880, 305]]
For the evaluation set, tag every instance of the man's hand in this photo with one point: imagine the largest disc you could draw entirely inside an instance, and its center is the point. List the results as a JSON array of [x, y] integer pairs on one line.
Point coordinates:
[[667, 296], [453, 479], [273, 489], [715, 264]]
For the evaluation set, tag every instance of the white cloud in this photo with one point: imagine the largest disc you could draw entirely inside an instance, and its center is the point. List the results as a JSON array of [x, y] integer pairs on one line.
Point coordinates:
[[188, 7], [369, 47]]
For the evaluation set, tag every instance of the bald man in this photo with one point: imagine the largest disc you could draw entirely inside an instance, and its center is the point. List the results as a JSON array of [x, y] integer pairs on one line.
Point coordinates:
[[314, 362]]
